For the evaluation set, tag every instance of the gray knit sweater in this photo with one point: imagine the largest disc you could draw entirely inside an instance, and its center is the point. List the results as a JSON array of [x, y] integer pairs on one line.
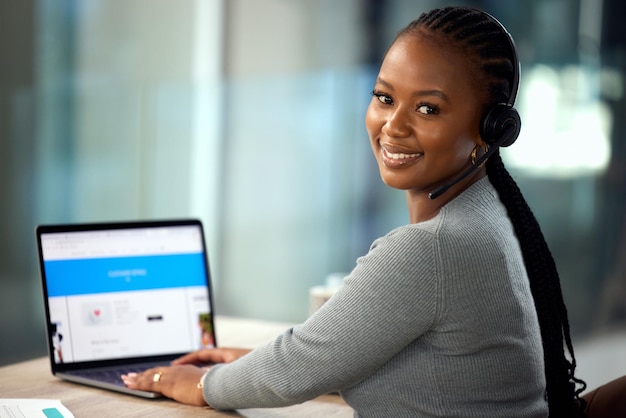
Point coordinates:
[[436, 320]]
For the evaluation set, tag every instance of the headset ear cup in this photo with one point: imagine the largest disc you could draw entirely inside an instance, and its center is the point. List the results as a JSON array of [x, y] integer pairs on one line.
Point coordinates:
[[500, 126]]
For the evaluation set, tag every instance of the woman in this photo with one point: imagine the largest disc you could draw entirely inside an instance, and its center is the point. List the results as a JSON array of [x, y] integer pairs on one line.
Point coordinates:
[[460, 312]]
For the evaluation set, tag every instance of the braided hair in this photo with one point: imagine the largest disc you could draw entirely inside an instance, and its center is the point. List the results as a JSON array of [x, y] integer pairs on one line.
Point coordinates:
[[488, 49]]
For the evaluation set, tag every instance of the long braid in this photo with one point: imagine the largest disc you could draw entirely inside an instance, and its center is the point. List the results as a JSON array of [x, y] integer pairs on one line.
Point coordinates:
[[489, 51], [546, 289]]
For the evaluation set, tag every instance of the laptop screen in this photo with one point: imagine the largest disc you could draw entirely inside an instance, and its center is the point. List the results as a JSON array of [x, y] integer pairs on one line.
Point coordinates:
[[125, 290]]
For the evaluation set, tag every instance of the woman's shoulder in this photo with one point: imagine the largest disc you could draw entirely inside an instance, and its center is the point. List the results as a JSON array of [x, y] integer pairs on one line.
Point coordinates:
[[477, 215], [478, 200], [477, 209], [411, 233]]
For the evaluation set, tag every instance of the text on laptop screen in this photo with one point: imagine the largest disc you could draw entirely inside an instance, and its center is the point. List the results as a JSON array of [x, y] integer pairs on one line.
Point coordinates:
[[126, 292]]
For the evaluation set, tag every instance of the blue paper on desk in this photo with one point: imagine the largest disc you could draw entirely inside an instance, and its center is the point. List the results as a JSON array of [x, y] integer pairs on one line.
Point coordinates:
[[33, 408]]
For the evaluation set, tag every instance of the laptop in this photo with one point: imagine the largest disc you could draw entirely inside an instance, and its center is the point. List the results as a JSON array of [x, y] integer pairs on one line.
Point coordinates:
[[123, 297]]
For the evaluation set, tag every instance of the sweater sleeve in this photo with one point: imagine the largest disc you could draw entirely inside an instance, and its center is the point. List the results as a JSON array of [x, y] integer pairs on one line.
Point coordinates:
[[388, 300]]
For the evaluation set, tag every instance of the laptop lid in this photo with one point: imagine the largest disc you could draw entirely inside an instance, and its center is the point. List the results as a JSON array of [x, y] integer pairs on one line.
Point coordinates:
[[124, 293]]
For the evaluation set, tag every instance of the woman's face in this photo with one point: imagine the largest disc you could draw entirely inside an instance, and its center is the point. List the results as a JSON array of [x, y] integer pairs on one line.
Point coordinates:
[[423, 120]]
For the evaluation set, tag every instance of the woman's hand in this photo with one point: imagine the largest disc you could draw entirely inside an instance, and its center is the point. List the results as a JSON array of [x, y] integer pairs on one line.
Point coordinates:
[[176, 382], [181, 380], [212, 356]]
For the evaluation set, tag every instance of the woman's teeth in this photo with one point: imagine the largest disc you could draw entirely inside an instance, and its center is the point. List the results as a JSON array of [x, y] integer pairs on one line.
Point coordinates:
[[401, 156]]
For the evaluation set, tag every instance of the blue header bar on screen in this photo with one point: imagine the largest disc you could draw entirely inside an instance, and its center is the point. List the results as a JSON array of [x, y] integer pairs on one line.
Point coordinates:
[[120, 274]]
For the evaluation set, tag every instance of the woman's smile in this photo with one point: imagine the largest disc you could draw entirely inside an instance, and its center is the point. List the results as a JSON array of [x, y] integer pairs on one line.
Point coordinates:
[[393, 158]]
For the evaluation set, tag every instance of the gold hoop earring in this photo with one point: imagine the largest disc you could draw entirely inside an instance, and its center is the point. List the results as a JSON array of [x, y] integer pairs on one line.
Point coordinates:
[[473, 155]]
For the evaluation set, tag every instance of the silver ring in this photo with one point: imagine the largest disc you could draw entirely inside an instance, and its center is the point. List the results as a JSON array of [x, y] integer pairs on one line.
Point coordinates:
[[156, 377]]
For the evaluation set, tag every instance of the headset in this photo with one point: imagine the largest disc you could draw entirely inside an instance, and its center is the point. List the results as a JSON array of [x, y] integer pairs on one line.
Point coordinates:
[[501, 124]]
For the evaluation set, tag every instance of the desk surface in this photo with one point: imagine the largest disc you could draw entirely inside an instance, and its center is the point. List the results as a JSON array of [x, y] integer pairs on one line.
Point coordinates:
[[33, 379]]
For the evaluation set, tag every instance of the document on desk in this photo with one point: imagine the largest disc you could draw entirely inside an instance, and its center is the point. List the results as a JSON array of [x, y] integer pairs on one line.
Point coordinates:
[[33, 408]]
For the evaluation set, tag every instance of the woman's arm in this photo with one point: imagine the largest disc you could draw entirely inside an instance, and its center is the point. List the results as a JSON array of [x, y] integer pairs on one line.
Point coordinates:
[[390, 299]]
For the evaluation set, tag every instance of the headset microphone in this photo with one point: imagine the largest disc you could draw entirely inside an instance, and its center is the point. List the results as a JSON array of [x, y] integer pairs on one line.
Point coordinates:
[[479, 161]]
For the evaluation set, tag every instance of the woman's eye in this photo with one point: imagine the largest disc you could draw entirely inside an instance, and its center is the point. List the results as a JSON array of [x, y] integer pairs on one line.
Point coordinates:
[[383, 98], [427, 109]]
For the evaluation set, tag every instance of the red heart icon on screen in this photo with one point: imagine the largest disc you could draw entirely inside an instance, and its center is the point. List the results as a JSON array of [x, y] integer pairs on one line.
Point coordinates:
[[96, 312]]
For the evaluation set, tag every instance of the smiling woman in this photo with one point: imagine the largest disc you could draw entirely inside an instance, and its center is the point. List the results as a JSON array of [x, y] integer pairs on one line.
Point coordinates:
[[420, 328], [115, 110], [423, 120]]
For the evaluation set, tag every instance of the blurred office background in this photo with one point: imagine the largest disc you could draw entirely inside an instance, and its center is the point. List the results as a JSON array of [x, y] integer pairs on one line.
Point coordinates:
[[248, 114]]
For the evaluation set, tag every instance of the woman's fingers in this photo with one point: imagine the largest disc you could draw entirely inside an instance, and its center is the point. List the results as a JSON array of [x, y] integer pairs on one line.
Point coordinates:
[[212, 356], [177, 382], [181, 380]]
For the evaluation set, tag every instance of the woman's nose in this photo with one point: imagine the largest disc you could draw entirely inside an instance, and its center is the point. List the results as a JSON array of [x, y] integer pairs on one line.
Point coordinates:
[[397, 124]]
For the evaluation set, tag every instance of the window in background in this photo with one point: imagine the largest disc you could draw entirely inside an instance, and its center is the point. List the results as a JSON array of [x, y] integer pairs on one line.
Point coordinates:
[[249, 115], [109, 110]]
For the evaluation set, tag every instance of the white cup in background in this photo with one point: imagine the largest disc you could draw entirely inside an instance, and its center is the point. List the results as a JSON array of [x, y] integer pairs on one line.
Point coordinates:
[[318, 295]]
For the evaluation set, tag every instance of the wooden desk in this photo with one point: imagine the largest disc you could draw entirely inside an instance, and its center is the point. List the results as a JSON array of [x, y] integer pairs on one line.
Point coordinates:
[[33, 379]]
